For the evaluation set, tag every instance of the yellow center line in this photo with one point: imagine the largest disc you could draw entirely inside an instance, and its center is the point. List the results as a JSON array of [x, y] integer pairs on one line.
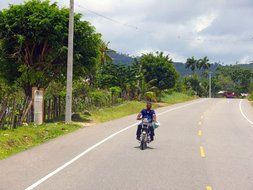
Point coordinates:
[[208, 188], [202, 152], [199, 133]]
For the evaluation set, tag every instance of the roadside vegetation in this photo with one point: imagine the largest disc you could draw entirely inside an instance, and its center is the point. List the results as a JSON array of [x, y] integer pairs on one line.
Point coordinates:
[[102, 89], [176, 97], [250, 96], [115, 112], [24, 137], [228, 78]]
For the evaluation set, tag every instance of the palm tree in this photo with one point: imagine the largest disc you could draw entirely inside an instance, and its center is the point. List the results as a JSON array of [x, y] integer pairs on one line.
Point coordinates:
[[105, 57], [191, 63], [204, 63]]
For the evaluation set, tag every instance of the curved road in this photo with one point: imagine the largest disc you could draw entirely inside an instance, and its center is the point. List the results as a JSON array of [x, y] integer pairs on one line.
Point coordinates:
[[205, 144]]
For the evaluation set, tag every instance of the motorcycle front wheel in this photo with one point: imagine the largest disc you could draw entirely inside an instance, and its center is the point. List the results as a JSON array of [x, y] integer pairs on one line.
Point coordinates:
[[143, 145]]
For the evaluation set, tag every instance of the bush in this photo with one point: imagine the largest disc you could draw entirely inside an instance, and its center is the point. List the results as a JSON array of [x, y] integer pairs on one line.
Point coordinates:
[[250, 96], [150, 96], [116, 90], [100, 98], [175, 97], [115, 93], [194, 83]]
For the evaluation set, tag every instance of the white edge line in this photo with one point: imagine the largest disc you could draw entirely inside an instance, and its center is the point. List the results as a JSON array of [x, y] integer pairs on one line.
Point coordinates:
[[240, 106], [96, 145]]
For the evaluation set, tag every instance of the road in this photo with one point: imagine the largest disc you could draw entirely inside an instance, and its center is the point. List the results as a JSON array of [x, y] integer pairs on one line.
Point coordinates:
[[205, 144]]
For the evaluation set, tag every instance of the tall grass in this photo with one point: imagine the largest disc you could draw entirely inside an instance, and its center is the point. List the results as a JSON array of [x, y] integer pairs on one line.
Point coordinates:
[[131, 107], [24, 137], [176, 97], [250, 96], [124, 109]]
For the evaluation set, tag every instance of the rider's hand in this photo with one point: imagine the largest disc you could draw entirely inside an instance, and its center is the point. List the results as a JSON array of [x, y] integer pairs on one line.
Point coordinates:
[[139, 116]]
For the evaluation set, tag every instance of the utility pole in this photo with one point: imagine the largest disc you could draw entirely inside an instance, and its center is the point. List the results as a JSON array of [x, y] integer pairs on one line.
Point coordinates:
[[68, 114], [210, 85]]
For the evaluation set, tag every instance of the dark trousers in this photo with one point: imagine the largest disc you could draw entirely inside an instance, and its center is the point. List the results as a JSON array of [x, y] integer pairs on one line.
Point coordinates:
[[152, 131]]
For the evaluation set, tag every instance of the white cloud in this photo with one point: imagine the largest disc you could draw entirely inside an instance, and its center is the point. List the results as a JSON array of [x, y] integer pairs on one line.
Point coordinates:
[[219, 29], [204, 21], [246, 60]]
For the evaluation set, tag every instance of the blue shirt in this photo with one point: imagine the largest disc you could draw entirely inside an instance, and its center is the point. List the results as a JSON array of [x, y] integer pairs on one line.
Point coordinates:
[[149, 114]]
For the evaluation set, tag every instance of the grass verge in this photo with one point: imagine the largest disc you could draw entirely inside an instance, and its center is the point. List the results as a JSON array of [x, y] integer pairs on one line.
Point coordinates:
[[176, 97], [115, 112], [131, 107], [250, 97], [24, 137]]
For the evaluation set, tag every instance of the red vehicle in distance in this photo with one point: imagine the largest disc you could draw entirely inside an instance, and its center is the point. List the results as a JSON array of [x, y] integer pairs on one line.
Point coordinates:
[[229, 95]]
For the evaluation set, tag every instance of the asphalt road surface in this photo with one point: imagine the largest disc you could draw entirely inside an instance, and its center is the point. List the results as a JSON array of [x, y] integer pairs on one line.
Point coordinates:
[[206, 144]]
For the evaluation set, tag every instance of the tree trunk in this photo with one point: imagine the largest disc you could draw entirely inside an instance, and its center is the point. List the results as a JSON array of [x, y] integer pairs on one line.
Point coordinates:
[[44, 110], [3, 112], [26, 113], [49, 110], [59, 107], [55, 107], [13, 114]]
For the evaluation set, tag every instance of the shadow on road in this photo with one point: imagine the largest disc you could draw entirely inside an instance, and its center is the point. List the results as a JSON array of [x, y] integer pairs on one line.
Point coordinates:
[[151, 148]]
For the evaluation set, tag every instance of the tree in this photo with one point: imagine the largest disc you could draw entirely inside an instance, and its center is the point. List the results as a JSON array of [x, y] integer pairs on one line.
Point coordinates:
[[200, 64], [192, 63], [159, 69], [240, 77], [105, 57], [204, 63], [34, 39], [117, 75], [195, 83]]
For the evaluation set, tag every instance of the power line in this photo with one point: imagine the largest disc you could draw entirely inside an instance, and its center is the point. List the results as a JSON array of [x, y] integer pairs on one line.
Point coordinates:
[[108, 18], [179, 37]]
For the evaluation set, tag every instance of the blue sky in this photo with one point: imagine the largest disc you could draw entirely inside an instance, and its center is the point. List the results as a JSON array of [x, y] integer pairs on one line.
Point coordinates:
[[219, 29]]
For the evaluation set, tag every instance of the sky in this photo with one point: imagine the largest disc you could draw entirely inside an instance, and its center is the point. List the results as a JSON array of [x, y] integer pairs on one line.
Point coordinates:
[[222, 30]]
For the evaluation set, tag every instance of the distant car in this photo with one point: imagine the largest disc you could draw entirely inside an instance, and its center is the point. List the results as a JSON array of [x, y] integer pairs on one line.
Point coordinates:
[[229, 94], [244, 95]]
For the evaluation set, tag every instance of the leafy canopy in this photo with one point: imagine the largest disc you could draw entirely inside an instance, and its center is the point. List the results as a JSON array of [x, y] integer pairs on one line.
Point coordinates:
[[33, 43], [159, 69]]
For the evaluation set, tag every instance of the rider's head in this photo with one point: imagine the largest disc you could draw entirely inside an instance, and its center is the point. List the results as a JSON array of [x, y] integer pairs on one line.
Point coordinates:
[[149, 105]]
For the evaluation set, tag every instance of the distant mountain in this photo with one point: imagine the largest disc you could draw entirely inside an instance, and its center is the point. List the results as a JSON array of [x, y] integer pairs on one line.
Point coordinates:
[[180, 67], [247, 66], [120, 58]]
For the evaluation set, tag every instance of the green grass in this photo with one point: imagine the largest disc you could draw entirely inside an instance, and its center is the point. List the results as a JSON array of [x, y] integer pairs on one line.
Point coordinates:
[[176, 97], [131, 107], [24, 137], [115, 112], [250, 97]]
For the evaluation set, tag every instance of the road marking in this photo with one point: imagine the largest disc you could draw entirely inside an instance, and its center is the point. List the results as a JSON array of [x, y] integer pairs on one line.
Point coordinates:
[[240, 106], [200, 123], [202, 152], [37, 183], [208, 188], [199, 133], [202, 117]]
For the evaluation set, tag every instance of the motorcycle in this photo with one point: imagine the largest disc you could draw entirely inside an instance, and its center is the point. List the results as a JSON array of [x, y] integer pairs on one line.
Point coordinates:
[[145, 133]]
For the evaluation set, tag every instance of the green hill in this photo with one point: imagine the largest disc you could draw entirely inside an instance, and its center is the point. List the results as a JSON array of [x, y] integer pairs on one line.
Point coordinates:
[[119, 58]]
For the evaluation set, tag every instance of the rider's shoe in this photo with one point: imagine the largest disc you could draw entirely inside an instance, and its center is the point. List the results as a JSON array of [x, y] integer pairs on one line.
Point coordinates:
[[138, 138]]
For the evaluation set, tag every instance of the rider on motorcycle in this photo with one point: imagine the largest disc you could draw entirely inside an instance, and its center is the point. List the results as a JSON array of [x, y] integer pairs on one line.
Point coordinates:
[[151, 116]]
